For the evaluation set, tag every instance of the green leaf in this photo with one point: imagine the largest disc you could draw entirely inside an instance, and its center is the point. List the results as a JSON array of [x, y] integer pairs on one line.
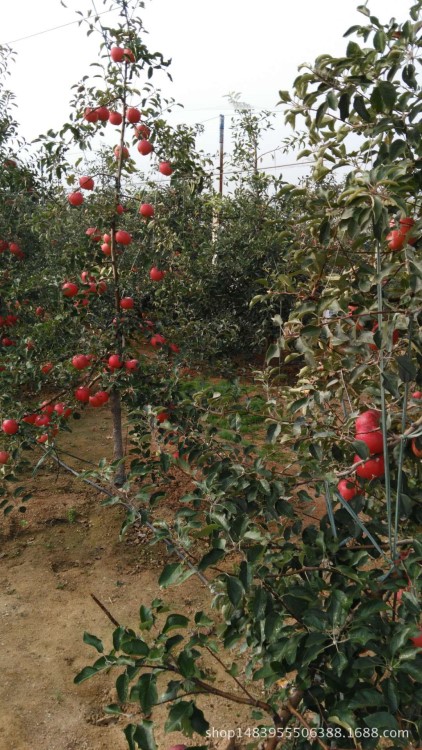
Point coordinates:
[[210, 558], [344, 106], [388, 93], [366, 697], [147, 691], [175, 621], [144, 735], [134, 646], [359, 107], [179, 717], [407, 369], [172, 573], [273, 432], [92, 640], [198, 721], [146, 618], [122, 686], [380, 40], [382, 721], [325, 231], [234, 590]]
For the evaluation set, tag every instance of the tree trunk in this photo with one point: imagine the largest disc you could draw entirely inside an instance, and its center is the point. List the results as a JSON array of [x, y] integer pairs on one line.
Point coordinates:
[[118, 447]]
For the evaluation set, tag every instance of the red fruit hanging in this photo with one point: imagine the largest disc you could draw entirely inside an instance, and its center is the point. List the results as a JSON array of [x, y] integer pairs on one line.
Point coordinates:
[[103, 114], [133, 115], [123, 237], [80, 361], [368, 420], [82, 394], [127, 303], [125, 152], [91, 115], [10, 426], [86, 183], [69, 289], [147, 210], [114, 362], [142, 131], [117, 54], [370, 469], [156, 275], [145, 147], [76, 198], [165, 168], [373, 440], [115, 118]]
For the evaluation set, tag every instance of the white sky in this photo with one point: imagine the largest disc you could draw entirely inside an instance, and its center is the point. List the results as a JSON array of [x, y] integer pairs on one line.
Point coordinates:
[[217, 46]]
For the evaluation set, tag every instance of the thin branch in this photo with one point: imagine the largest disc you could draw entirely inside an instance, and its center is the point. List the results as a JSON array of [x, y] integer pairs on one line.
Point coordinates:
[[305, 724]]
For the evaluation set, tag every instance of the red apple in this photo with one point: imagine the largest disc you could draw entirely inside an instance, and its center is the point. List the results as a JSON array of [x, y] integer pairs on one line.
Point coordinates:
[[147, 210], [4, 457], [93, 234], [86, 183], [114, 362], [102, 397], [42, 420], [76, 198], [370, 469], [117, 54], [3, 246], [347, 489], [91, 115], [145, 147], [128, 55], [39, 311], [165, 168], [396, 240], [174, 348], [106, 249], [115, 118], [10, 426], [373, 440], [69, 289], [162, 416], [80, 361], [417, 640], [59, 409], [142, 131], [103, 113], [156, 275], [131, 364], [125, 152], [417, 394], [120, 209], [368, 420], [82, 394], [29, 418], [157, 340], [133, 115], [45, 369], [122, 237], [15, 248], [127, 303], [106, 238]]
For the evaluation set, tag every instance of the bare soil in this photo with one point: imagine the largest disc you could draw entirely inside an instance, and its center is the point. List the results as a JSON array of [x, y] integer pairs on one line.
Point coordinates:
[[68, 548]]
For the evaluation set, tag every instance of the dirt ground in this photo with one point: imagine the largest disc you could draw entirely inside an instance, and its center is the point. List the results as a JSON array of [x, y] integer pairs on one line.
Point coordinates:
[[67, 549]]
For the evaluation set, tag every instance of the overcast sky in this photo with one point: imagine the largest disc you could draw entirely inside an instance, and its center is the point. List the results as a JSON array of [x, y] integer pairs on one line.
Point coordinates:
[[216, 46]]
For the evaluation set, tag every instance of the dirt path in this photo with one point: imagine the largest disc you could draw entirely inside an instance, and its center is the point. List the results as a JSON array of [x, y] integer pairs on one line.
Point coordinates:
[[69, 548]]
